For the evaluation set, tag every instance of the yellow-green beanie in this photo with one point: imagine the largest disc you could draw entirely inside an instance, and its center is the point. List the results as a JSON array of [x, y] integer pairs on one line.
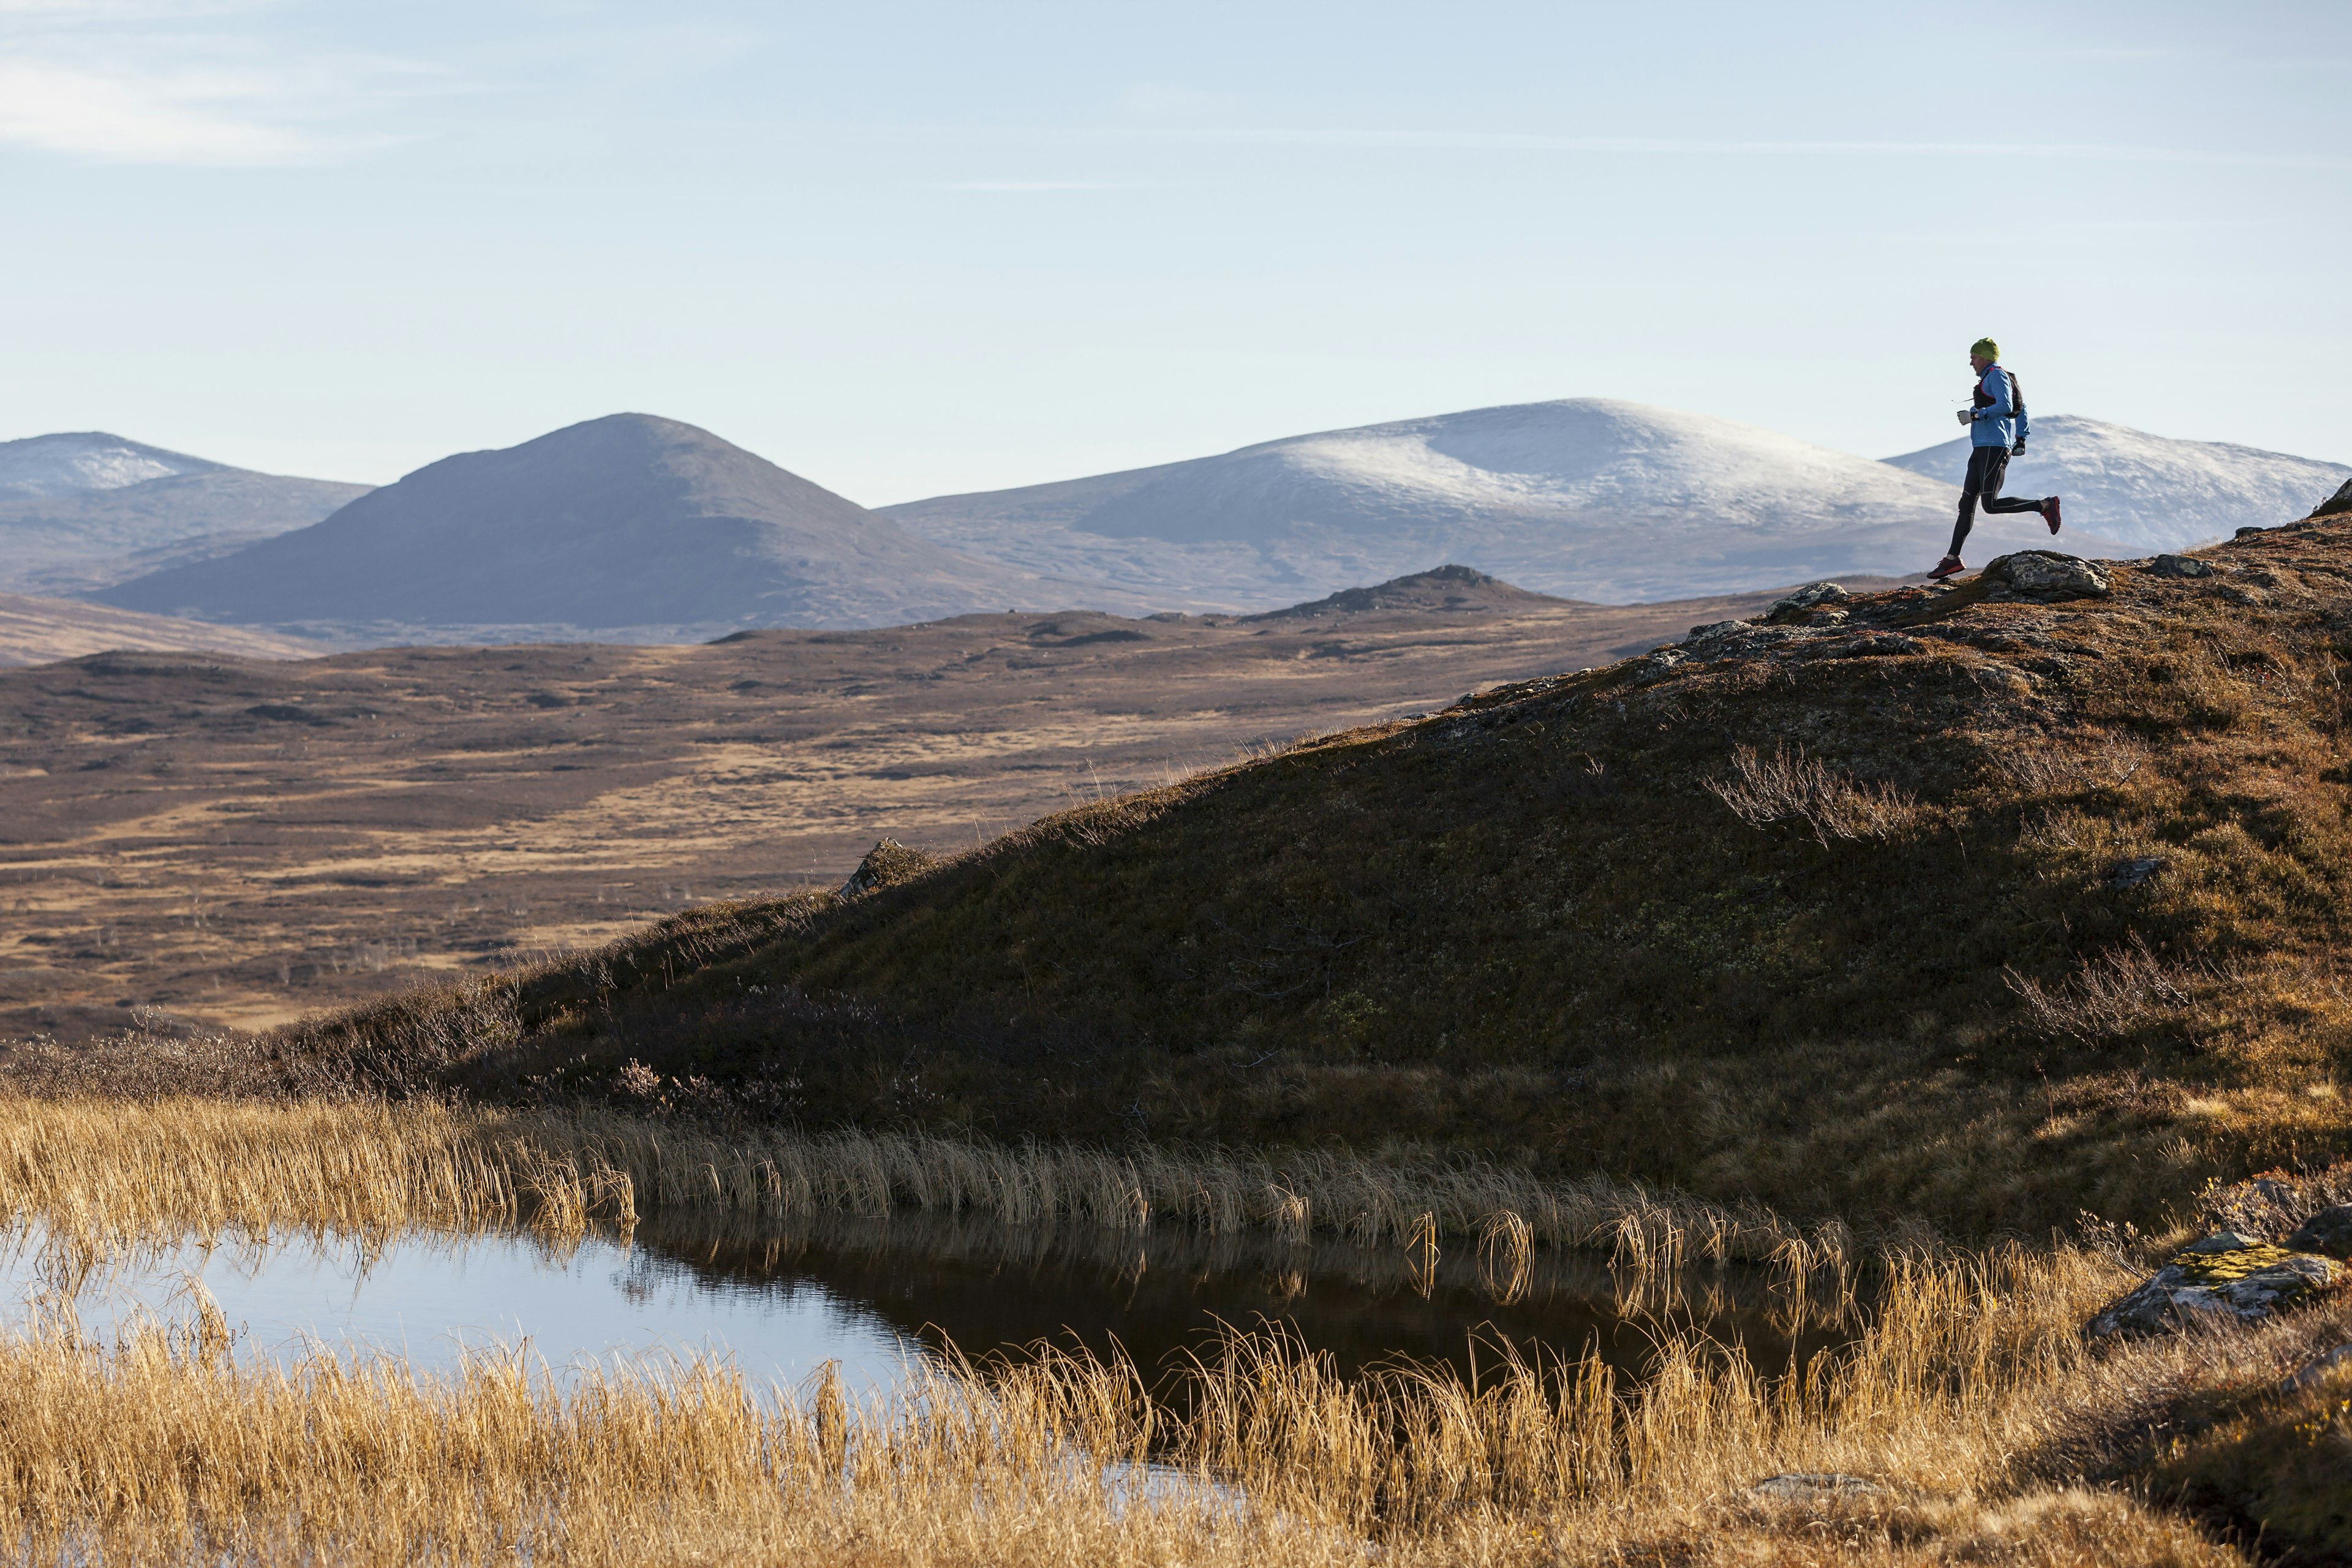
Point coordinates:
[[1987, 347]]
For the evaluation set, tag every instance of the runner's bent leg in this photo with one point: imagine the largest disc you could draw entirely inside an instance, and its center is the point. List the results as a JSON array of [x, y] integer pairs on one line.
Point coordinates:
[[1970, 487], [1996, 470]]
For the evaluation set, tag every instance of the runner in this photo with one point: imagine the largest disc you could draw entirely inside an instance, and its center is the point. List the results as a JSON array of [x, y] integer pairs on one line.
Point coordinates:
[[1997, 426]]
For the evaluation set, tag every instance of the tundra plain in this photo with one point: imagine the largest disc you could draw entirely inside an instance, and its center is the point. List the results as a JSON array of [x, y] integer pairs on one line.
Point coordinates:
[[238, 841]]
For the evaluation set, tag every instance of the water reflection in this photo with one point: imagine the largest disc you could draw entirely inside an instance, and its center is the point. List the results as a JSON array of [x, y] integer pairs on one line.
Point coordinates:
[[985, 1286], [781, 1299]]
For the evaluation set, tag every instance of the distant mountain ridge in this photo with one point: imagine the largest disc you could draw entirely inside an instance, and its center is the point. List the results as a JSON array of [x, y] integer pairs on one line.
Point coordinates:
[[630, 521], [2153, 492], [81, 512], [633, 528], [72, 462], [1594, 499]]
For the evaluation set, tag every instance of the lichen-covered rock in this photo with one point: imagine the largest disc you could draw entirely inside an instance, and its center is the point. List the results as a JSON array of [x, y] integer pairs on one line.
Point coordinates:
[[2047, 575], [1740, 639], [2327, 1233], [888, 863], [1804, 601], [2224, 1277], [2179, 566]]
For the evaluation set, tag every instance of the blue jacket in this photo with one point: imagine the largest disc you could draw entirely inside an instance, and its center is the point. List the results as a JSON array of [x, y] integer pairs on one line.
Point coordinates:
[[1998, 422]]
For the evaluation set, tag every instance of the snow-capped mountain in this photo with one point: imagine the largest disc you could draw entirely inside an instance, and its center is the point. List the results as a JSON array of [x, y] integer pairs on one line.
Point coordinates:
[[81, 512], [2150, 491], [70, 463], [1588, 497]]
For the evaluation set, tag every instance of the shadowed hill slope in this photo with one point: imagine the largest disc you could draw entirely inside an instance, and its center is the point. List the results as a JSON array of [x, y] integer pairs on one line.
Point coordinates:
[[1985, 905]]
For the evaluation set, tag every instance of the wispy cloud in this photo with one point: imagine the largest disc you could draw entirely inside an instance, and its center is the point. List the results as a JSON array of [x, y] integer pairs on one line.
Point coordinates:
[[122, 118], [1023, 187], [119, 82], [1490, 141]]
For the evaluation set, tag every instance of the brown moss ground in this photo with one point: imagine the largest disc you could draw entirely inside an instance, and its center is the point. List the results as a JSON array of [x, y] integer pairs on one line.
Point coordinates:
[[1526, 928]]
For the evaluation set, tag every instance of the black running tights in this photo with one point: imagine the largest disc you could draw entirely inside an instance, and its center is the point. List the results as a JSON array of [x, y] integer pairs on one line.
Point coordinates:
[[1987, 466]]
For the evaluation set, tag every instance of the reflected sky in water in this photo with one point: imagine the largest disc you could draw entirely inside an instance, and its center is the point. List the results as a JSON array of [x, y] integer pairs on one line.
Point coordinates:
[[782, 1296], [428, 1297]]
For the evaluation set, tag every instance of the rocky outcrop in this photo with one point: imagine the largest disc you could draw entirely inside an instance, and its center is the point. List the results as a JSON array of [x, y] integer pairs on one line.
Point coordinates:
[[1811, 605], [2179, 566], [2048, 577], [2340, 503], [2226, 1278], [885, 865]]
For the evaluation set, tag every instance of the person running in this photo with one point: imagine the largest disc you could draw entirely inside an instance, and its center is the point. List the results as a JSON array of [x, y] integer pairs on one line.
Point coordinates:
[[1997, 425]]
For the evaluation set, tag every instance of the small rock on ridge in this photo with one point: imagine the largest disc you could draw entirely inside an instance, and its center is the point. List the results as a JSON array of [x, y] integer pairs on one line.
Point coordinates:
[[2341, 501], [2179, 566], [1803, 601], [885, 865]]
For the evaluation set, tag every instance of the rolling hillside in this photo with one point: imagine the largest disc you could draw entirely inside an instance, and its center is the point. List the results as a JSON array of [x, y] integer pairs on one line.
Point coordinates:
[[36, 630], [1983, 905]]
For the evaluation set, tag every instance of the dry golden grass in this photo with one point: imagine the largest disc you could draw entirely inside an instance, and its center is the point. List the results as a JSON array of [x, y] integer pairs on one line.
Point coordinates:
[[1970, 1404], [1961, 1408], [1789, 786]]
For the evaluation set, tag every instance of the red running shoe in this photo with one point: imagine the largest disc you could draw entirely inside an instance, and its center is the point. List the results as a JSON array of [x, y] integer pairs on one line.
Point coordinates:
[[1949, 566], [2049, 513]]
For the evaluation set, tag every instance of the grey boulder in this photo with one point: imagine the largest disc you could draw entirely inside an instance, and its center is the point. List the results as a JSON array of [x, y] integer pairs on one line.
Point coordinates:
[[2223, 1279], [1805, 601], [2315, 1371], [2047, 575]]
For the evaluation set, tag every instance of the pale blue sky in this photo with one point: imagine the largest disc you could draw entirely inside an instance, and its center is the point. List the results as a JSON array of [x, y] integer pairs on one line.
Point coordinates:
[[906, 249]]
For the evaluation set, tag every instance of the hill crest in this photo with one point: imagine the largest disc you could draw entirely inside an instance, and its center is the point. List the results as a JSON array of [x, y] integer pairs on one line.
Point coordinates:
[[630, 520], [71, 462], [1992, 904]]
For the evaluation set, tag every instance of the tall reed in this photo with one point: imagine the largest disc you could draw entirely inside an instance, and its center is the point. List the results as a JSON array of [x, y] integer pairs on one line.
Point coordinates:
[[110, 1170], [1964, 1405]]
